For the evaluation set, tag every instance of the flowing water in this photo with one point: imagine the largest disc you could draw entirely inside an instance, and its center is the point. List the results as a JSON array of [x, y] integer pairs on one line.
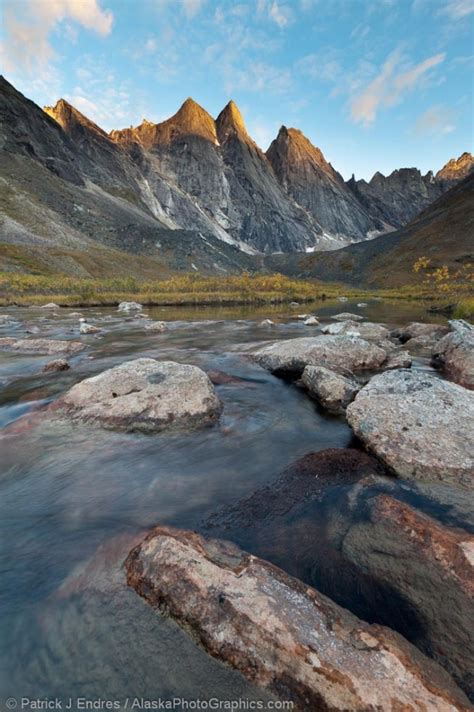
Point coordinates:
[[74, 499]]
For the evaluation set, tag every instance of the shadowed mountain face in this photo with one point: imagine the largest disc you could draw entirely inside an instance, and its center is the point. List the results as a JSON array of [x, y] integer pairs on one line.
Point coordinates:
[[314, 184], [189, 193], [442, 233], [219, 165], [397, 198]]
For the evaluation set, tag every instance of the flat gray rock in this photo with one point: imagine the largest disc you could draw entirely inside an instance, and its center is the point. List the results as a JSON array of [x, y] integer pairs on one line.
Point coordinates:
[[368, 330], [420, 426], [454, 354], [143, 395], [343, 354], [347, 316], [41, 346], [333, 391]]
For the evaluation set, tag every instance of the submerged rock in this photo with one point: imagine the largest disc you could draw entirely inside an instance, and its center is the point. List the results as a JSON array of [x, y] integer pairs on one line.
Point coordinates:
[[347, 316], [338, 353], [368, 331], [333, 391], [426, 564], [41, 346], [454, 353], [86, 328], [59, 364], [418, 425], [281, 634], [304, 480], [144, 395], [156, 326]]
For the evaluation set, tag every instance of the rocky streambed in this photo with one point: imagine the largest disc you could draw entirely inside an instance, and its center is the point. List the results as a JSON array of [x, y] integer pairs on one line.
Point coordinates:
[[293, 494]]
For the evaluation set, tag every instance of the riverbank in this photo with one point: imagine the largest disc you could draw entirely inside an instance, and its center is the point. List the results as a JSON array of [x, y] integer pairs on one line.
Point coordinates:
[[194, 290]]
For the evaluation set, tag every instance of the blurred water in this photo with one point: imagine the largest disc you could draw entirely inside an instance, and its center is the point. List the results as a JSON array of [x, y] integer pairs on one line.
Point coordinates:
[[70, 495]]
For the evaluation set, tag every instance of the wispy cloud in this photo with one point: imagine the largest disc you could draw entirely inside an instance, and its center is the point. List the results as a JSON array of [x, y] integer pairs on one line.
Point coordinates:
[[457, 9], [29, 24], [263, 132], [189, 8], [389, 86], [259, 76], [277, 12], [435, 121]]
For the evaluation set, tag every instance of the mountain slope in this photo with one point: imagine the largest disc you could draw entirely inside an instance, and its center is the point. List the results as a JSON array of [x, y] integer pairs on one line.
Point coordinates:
[[455, 170], [314, 184], [225, 173], [266, 216], [70, 193], [397, 198], [189, 192], [443, 232]]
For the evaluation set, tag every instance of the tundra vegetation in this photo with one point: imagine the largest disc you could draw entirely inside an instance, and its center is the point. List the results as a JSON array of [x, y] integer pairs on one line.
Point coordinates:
[[189, 289]]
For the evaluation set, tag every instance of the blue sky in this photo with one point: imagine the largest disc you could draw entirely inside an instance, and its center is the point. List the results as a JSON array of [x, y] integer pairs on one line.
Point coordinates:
[[376, 84]]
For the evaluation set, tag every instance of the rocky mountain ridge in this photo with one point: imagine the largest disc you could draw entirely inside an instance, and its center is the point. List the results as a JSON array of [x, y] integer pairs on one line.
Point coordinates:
[[190, 180]]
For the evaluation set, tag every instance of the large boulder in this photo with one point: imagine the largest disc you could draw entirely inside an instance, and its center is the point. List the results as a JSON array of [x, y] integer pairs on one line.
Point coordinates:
[[143, 395], [416, 329], [281, 634], [419, 425], [454, 353], [129, 306], [333, 391], [426, 564], [368, 331], [41, 346], [338, 353]]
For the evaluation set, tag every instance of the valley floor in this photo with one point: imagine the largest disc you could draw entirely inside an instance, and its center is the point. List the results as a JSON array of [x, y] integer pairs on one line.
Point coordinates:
[[192, 290]]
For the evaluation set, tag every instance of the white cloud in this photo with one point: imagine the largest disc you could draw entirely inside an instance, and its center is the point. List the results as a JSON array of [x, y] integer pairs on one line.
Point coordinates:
[[457, 9], [29, 24], [435, 121], [278, 13], [389, 86]]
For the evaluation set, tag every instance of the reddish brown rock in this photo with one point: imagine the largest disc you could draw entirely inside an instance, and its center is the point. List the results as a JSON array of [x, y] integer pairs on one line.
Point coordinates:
[[279, 633], [59, 364], [429, 565]]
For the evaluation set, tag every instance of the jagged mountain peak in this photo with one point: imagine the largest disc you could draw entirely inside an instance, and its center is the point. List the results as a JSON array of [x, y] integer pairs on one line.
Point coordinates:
[[191, 118], [292, 146], [71, 119], [456, 168], [230, 121]]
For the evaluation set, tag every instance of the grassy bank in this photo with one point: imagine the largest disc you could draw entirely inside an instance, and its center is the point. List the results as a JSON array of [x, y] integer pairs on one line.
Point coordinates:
[[24, 290]]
